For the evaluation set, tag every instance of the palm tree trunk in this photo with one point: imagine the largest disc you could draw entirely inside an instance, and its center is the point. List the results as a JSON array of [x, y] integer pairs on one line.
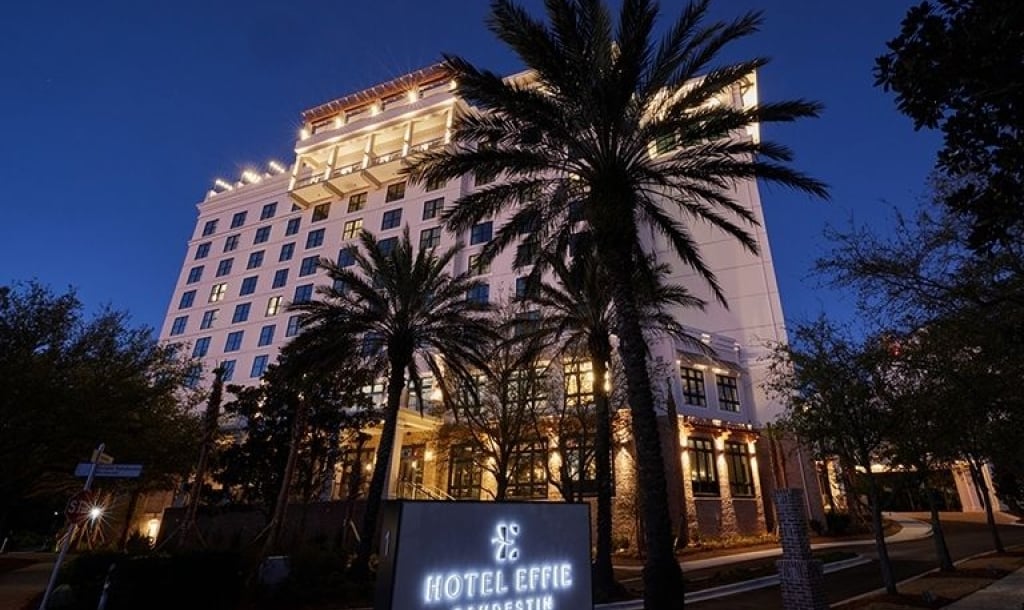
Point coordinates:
[[663, 578], [888, 580], [604, 575], [979, 481], [281, 506], [375, 497]]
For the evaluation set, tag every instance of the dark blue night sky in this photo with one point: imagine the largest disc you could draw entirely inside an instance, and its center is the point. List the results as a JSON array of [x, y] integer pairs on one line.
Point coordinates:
[[117, 116]]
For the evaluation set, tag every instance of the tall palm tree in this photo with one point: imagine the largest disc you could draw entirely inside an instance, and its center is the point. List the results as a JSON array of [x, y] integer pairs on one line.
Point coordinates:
[[578, 316], [403, 305], [619, 131]]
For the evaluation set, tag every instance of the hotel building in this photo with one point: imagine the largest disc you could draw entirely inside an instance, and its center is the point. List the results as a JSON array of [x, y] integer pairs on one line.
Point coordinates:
[[258, 239]]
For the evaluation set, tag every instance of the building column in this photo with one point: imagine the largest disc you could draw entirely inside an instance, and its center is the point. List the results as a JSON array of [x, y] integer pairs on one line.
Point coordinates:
[[449, 120], [391, 488], [755, 474], [407, 139], [692, 527], [727, 524]]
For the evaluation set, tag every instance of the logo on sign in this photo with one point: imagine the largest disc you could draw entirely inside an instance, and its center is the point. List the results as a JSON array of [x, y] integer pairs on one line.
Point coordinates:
[[504, 542]]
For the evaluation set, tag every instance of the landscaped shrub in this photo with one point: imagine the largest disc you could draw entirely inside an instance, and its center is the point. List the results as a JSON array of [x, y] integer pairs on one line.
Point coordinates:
[[193, 580], [838, 524]]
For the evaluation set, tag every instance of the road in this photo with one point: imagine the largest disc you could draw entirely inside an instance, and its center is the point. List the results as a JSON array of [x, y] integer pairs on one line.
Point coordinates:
[[908, 558]]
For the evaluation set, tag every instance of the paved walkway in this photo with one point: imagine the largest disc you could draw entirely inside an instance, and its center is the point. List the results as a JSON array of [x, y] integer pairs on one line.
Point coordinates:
[[1007, 593], [19, 587]]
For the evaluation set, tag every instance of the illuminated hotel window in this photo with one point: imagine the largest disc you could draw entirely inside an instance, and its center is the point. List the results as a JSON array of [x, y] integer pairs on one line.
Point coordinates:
[[217, 292], [528, 470], [741, 479], [352, 228], [703, 472], [274, 306], [477, 266], [693, 386], [464, 474], [728, 393], [579, 383]]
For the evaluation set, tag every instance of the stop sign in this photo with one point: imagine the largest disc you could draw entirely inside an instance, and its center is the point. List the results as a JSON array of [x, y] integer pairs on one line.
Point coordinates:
[[78, 507]]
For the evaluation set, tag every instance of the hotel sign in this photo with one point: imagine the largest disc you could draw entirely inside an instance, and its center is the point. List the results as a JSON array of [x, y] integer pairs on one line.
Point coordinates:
[[484, 556]]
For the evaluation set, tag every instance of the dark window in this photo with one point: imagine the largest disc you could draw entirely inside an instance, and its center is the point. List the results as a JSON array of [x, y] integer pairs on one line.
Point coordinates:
[[352, 228], [292, 227], [315, 239], [287, 251], [464, 474], [210, 227], [266, 335], [229, 369], [259, 365], [308, 266], [346, 257], [201, 348], [528, 471], [280, 278], [737, 460], [728, 393], [187, 298], [356, 202], [391, 219], [434, 184], [525, 287], [432, 208], [209, 317], [387, 245], [526, 323], [303, 293], [480, 233], [430, 238], [356, 470], [178, 326], [268, 211], [321, 212], [262, 235], [481, 293], [194, 274], [238, 220], [693, 386], [202, 250], [248, 285], [255, 260], [241, 313], [224, 267], [580, 460], [234, 341], [395, 192], [526, 253], [703, 472], [231, 243], [294, 323]]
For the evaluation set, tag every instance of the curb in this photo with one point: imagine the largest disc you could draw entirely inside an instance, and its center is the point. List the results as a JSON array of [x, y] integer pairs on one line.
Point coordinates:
[[738, 587]]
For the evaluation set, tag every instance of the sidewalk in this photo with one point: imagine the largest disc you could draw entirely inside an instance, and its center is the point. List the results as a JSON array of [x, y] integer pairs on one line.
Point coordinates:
[[1007, 593], [19, 587]]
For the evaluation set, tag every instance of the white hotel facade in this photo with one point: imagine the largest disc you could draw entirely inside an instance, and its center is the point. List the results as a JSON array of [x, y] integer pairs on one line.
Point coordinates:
[[256, 244]]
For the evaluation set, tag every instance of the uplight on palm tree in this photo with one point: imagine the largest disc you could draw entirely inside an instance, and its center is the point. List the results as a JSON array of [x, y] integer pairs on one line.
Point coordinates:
[[622, 132]]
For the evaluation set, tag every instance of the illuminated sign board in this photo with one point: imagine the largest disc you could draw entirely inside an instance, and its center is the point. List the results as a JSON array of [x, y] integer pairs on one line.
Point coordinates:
[[484, 556]]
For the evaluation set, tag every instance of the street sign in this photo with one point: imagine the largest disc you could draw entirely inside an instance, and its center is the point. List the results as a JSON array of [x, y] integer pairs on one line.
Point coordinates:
[[77, 509], [110, 471], [101, 457]]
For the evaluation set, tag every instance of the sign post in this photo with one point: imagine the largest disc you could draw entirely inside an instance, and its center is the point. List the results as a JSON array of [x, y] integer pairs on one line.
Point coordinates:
[[86, 489]]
